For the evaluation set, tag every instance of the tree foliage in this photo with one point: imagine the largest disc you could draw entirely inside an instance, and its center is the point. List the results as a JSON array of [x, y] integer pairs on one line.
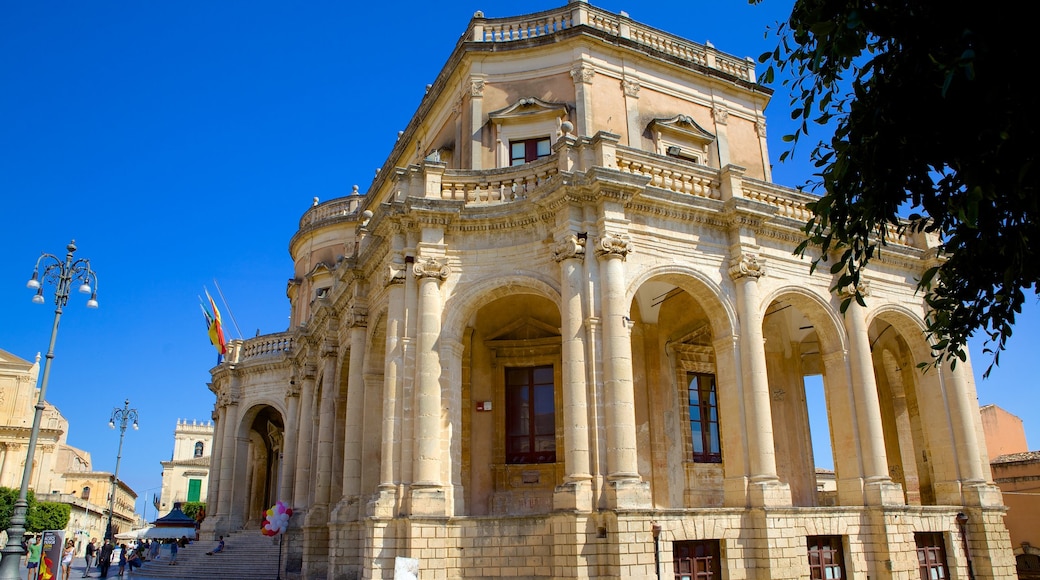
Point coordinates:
[[192, 508], [47, 515], [934, 134]]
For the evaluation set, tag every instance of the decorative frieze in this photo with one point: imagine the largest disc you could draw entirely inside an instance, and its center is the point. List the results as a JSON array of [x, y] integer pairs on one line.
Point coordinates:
[[747, 265], [570, 246]]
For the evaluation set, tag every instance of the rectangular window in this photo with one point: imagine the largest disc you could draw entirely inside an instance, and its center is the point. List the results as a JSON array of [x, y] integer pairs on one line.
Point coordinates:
[[530, 415], [825, 558], [194, 489], [697, 560], [704, 418], [528, 150], [931, 555]]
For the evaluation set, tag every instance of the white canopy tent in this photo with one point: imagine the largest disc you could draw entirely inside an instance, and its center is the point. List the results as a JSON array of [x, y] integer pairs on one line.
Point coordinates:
[[170, 533], [133, 534]]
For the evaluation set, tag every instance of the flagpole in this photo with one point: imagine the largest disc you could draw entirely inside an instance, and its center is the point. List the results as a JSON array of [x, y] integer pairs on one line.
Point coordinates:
[[230, 313]]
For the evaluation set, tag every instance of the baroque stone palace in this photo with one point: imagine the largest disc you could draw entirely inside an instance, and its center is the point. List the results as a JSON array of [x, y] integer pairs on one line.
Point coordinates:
[[563, 335]]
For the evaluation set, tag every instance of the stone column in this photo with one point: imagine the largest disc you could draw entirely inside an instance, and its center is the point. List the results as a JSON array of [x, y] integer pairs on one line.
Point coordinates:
[[963, 409], [302, 478], [292, 438], [871, 434], [427, 489], [635, 133], [476, 122], [326, 423], [392, 372], [582, 74], [355, 412], [576, 493], [628, 491], [745, 270], [229, 405], [213, 493]]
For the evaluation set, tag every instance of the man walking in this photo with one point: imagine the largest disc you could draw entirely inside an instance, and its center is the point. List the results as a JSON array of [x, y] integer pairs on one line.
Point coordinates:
[[89, 556], [105, 558]]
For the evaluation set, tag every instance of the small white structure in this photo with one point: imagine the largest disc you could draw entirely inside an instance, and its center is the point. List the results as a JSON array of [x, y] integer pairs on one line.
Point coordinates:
[[186, 475]]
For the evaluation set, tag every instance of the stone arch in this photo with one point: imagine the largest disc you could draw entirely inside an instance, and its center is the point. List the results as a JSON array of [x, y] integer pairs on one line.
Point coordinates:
[[679, 317], [898, 345], [260, 440], [495, 324], [805, 336]]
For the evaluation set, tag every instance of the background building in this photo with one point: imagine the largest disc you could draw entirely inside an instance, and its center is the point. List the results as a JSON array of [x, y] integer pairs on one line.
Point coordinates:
[[185, 476], [1016, 470], [565, 334], [61, 473]]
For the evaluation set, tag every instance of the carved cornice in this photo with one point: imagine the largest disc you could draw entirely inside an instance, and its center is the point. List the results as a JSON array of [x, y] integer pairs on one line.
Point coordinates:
[[747, 265], [571, 246], [613, 245], [431, 268]]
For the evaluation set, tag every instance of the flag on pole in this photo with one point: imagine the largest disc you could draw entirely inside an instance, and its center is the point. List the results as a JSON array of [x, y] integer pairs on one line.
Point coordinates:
[[214, 327]]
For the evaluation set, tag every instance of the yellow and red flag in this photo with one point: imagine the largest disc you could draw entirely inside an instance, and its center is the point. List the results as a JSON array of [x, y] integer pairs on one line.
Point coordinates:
[[214, 326]]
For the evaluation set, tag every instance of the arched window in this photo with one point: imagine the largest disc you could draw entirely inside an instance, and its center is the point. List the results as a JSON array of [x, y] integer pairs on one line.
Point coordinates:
[[86, 493], [198, 449]]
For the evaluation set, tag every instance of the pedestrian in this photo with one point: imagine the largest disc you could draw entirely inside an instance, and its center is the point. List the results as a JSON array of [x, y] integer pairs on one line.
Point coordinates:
[[132, 561], [89, 556], [105, 558], [173, 553], [66, 558], [33, 563], [153, 548], [219, 548], [122, 559]]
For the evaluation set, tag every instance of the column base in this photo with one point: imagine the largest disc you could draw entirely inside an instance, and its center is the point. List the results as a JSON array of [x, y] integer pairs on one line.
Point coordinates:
[[982, 495], [573, 496], [429, 501], [769, 493], [883, 492], [628, 494], [384, 504], [346, 510]]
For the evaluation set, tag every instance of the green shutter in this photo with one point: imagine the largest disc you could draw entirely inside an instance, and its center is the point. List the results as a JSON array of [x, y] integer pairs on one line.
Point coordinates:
[[194, 489]]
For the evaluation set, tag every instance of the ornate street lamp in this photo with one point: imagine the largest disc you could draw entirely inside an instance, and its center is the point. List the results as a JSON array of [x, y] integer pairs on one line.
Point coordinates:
[[119, 417], [61, 275]]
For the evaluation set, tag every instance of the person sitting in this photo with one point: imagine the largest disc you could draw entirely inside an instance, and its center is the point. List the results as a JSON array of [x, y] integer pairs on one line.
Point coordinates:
[[219, 548]]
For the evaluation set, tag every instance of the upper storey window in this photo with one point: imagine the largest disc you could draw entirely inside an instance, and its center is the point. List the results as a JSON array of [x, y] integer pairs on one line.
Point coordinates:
[[681, 137], [528, 150], [526, 130], [198, 448]]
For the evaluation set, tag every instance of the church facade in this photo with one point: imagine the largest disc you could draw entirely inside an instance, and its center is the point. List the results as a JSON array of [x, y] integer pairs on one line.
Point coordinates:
[[564, 335]]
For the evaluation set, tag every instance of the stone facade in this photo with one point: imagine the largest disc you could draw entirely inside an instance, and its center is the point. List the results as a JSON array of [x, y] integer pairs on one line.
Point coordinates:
[[185, 476], [564, 335]]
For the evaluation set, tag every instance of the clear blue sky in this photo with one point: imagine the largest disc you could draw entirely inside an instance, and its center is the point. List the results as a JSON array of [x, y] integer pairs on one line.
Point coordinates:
[[180, 142]]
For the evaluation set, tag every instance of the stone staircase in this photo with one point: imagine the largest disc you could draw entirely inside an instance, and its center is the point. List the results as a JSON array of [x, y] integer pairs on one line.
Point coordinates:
[[247, 555]]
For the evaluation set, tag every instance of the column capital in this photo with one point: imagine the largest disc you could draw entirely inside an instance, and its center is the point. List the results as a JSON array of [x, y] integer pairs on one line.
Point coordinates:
[[631, 88], [747, 265], [395, 274], [612, 245], [357, 316], [850, 291], [292, 389], [583, 73], [571, 246], [431, 268]]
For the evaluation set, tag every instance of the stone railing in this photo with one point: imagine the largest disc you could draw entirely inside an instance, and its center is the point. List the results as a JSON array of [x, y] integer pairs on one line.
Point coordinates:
[[339, 207], [497, 185], [268, 345], [620, 25], [788, 202], [670, 174]]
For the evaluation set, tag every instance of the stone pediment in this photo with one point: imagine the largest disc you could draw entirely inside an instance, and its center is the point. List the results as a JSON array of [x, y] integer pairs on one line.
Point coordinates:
[[10, 361], [525, 329], [682, 127], [528, 109]]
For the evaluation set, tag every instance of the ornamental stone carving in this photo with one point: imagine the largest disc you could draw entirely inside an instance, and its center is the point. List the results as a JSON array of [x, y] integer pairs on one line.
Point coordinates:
[[850, 290], [476, 87], [570, 246], [357, 316], [747, 266], [721, 114], [631, 88], [431, 268], [583, 73], [614, 245], [395, 274], [292, 389], [760, 127]]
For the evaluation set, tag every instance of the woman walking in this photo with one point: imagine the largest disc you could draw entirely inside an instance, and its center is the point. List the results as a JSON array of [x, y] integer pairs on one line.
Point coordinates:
[[66, 559]]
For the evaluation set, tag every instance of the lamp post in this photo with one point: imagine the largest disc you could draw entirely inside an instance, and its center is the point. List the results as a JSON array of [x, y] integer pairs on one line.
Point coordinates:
[[61, 274], [120, 417]]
